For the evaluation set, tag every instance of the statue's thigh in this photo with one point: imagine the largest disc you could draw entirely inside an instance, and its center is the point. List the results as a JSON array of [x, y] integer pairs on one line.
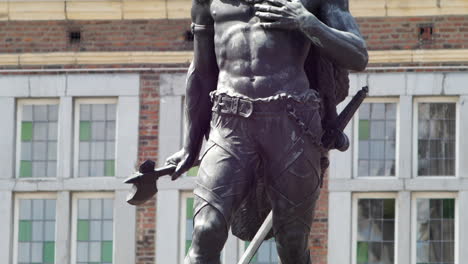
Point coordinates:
[[222, 180], [299, 177]]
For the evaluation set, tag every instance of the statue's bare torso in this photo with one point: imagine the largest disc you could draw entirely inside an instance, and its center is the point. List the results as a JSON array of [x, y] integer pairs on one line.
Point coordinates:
[[254, 61]]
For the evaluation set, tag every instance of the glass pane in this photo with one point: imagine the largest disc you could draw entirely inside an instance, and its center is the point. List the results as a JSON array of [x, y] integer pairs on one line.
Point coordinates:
[[96, 208], [378, 111], [49, 234], [36, 252], [82, 251], [111, 112], [95, 230], [27, 113], [99, 130], [40, 131], [98, 151], [40, 151], [376, 231], [83, 209], [25, 209], [95, 251], [37, 231], [98, 112], [38, 209], [364, 149], [377, 141], [435, 231], [53, 112], [436, 127], [40, 112]]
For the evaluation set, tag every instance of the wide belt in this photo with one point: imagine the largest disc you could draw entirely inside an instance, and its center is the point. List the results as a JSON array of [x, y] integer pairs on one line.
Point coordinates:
[[232, 105]]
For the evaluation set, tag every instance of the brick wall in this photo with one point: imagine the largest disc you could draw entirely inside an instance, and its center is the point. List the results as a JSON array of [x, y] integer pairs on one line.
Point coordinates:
[[318, 239], [109, 35], [170, 35], [148, 149], [390, 33]]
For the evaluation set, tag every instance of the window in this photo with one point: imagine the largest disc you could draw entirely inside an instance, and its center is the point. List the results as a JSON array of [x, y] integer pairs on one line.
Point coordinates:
[[435, 230], [377, 139], [374, 229], [35, 230], [37, 138], [436, 126], [96, 132], [266, 253], [93, 229]]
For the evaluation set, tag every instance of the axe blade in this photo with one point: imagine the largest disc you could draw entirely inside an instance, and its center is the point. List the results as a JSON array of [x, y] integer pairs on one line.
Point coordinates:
[[144, 188], [144, 182]]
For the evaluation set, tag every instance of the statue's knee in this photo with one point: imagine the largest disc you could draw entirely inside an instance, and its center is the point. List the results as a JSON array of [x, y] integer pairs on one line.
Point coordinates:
[[209, 227]]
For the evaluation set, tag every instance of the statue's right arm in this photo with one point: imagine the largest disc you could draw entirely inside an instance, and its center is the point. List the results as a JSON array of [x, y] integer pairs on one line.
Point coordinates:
[[202, 78]]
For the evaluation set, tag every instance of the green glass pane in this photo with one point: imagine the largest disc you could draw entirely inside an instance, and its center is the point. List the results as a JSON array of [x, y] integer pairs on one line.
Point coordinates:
[[25, 169], [193, 172], [362, 252], [389, 209], [449, 208], [189, 208], [188, 243], [26, 131], [110, 168], [364, 129], [25, 230], [83, 230], [48, 252], [106, 251], [85, 130]]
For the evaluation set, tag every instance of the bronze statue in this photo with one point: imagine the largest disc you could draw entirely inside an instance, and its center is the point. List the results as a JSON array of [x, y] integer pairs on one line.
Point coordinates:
[[263, 88]]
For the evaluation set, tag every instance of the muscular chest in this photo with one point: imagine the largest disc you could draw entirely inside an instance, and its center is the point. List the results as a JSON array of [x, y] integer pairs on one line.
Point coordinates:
[[243, 10]]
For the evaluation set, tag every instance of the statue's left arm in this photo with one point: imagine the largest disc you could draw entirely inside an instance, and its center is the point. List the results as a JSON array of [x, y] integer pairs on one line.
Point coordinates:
[[337, 35]]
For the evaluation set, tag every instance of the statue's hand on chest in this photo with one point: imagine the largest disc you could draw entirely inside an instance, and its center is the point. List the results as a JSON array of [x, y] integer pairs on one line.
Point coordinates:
[[282, 13]]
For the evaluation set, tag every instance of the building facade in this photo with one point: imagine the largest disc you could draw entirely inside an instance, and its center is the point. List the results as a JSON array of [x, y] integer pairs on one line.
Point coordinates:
[[90, 89]]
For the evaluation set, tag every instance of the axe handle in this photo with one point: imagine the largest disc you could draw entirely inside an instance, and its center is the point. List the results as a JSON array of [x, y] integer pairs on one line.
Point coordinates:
[[169, 169]]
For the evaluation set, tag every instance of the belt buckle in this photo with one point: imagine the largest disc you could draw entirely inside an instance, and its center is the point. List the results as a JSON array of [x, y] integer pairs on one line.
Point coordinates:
[[225, 108], [241, 108]]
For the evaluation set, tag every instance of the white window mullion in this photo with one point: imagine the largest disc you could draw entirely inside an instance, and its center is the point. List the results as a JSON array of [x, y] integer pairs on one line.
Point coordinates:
[[403, 228], [462, 139], [125, 222], [127, 126], [339, 233], [65, 138], [461, 229], [404, 140], [6, 217], [63, 234], [7, 137]]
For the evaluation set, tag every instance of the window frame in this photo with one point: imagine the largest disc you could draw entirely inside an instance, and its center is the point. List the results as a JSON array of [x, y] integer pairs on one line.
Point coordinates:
[[76, 130], [354, 219], [19, 114], [414, 219], [30, 196], [415, 145], [355, 151], [74, 219], [182, 227]]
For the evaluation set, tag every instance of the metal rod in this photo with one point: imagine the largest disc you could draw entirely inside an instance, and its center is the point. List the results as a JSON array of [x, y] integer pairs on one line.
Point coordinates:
[[257, 240]]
